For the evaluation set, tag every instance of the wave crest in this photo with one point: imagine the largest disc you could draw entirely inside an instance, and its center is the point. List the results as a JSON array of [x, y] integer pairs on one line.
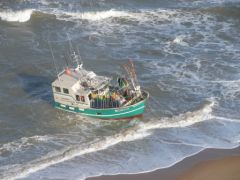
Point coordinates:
[[141, 15], [16, 16], [97, 16]]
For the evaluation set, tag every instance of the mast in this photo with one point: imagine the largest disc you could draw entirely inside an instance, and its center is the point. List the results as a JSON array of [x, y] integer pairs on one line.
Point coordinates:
[[130, 69]]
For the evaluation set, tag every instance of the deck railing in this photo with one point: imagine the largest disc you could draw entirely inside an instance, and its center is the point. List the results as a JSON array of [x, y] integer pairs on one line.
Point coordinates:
[[104, 103]]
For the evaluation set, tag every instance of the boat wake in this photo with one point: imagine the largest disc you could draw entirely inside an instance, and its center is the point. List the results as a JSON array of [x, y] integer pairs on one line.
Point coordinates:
[[138, 131]]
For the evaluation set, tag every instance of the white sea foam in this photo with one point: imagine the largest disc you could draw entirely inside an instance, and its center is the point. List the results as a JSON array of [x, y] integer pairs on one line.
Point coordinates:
[[179, 40], [99, 15], [227, 119], [69, 153], [141, 15], [16, 16], [45, 2], [183, 120], [139, 131], [24, 142]]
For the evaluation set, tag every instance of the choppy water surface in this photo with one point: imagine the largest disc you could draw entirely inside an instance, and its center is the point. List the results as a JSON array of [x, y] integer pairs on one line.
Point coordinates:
[[187, 56]]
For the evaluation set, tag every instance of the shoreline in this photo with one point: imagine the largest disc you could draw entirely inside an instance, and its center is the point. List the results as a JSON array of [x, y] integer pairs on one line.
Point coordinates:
[[194, 166]]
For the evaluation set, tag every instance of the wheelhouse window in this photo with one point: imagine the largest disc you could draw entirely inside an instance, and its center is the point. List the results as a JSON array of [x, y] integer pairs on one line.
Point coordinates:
[[57, 89], [65, 91], [82, 98], [77, 97]]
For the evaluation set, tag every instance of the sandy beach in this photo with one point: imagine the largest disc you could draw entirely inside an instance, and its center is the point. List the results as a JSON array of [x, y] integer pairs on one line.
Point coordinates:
[[214, 164]]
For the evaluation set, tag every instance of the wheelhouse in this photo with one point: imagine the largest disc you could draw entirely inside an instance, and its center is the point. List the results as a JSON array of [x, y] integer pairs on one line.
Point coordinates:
[[79, 87]]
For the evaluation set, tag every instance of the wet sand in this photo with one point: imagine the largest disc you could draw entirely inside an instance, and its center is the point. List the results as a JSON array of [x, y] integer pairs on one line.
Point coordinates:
[[223, 169], [214, 164]]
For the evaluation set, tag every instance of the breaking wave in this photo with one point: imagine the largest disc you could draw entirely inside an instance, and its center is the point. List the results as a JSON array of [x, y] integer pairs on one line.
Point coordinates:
[[139, 131], [99, 15], [185, 119], [25, 15], [16, 16], [141, 15]]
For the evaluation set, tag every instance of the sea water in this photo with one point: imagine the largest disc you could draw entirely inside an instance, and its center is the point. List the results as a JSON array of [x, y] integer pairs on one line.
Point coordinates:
[[186, 53]]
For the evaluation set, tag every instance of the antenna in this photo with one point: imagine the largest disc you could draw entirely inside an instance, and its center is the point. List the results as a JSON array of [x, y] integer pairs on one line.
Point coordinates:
[[53, 58], [75, 58]]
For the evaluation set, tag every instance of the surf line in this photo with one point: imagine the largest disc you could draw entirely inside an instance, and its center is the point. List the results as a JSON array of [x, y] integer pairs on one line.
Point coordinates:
[[70, 153], [67, 154]]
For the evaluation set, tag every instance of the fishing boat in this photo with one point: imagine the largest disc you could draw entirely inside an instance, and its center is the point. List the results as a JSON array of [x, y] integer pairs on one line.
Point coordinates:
[[82, 91]]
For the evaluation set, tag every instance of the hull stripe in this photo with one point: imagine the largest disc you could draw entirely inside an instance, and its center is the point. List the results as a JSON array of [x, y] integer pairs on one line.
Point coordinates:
[[109, 115], [93, 115]]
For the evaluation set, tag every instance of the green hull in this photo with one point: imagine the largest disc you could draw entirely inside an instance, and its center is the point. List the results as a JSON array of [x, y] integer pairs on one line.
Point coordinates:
[[111, 113]]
